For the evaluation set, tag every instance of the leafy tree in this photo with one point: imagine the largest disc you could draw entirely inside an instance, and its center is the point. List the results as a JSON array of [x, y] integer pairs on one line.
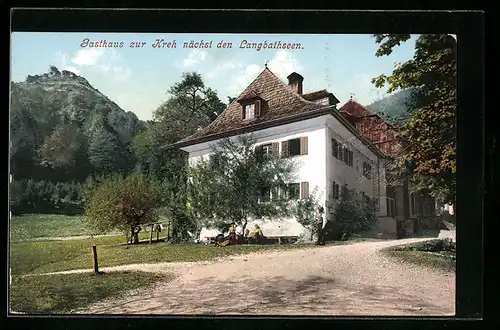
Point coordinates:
[[123, 203], [428, 136], [306, 212], [355, 212], [233, 185], [190, 107]]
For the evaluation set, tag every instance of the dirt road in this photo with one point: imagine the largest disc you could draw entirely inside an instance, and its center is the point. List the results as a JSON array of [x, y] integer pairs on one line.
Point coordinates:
[[352, 279]]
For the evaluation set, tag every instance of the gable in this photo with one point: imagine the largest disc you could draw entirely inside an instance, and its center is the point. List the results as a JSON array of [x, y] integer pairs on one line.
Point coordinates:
[[279, 102]]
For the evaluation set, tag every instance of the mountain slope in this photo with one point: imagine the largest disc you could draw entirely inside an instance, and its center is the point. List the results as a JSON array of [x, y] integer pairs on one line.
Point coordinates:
[[56, 117], [394, 107]]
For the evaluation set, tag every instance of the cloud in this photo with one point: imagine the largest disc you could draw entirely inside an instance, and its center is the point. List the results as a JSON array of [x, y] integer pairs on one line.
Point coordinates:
[[283, 63], [99, 60], [87, 56], [63, 63], [223, 68], [194, 57]]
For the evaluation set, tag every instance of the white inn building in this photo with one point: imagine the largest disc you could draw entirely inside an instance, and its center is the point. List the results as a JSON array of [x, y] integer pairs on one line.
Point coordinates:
[[333, 147]]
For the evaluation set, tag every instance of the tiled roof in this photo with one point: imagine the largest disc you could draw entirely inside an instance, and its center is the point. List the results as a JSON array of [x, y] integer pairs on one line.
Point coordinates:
[[313, 96], [281, 102], [355, 113], [318, 95], [355, 109]]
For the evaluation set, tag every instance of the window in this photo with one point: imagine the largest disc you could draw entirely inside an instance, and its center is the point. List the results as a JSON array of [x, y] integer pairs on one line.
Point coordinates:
[[335, 148], [391, 207], [348, 156], [290, 191], [265, 195], [361, 127], [367, 170], [342, 153], [249, 111], [412, 203], [335, 190], [267, 148], [275, 193], [294, 147]]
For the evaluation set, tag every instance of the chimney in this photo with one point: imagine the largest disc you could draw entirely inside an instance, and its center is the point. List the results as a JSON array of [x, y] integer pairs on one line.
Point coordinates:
[[295, 82]]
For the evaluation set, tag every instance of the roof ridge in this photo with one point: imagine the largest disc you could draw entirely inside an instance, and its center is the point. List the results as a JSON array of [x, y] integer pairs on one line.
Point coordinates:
[[319, 90]]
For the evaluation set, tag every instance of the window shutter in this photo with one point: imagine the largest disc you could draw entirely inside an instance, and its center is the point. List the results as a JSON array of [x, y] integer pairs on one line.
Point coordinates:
[[257, 108], [303, 145], [242, 111], [285, 152], [304, 190], [275, 146]]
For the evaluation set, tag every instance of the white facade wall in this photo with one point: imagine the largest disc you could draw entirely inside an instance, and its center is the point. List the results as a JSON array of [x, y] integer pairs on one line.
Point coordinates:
[[342, 173], [318, 167]]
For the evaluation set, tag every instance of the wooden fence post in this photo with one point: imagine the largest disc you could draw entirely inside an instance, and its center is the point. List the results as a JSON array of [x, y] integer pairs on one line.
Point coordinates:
[[94, 260], [169, 230], [151, 234]]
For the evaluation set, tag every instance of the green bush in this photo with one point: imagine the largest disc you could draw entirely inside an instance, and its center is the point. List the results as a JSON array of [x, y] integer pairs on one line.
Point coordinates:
[[355, 212], [437, 245]]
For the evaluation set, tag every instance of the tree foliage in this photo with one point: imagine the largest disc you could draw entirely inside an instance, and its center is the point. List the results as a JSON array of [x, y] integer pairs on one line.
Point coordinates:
[[306, 211], [191, 105], [30, 196], [54, 119], [355, 212], [233, 184], [122, 202], [428, 136]]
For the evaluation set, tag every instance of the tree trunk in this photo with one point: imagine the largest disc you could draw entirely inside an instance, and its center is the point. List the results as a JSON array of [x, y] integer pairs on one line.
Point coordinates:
[[244, 226], [134, 236]]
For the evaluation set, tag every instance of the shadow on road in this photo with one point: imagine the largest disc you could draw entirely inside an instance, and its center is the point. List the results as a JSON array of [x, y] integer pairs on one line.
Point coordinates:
[[279, 295]]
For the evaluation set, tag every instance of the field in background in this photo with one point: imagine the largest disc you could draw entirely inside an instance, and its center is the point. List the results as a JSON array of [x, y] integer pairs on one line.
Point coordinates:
[[46, 225]]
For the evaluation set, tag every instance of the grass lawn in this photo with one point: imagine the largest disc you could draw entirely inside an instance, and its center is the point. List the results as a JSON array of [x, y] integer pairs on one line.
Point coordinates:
[[56, 294], [30, 226], [420, 253], [52, 256]]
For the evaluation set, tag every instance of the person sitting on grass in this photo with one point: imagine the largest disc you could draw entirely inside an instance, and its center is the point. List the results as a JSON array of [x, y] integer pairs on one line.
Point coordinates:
[[256, 236], [230, 239]]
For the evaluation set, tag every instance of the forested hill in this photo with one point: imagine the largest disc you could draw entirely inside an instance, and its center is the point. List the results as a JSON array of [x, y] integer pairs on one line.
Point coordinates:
[[63, 129], [394, 107]]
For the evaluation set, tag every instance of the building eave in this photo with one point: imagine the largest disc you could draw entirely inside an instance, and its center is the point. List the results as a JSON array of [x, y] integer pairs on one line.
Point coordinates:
[[254, 128]]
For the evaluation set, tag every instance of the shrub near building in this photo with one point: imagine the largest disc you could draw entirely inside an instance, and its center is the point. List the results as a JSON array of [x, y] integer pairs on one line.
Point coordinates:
[[356, 212]]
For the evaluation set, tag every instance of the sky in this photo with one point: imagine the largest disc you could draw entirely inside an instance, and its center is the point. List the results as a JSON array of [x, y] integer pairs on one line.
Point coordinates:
[[138, 79]]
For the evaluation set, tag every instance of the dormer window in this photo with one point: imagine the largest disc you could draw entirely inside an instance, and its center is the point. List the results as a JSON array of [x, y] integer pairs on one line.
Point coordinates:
[[251, 105], [249, 111]]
